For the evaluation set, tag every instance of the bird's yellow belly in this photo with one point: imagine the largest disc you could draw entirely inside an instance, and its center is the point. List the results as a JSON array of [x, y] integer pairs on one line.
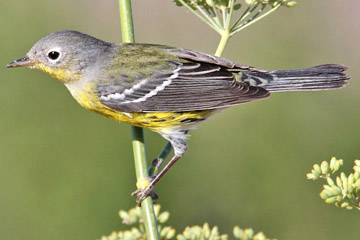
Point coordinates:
[[156, 121]]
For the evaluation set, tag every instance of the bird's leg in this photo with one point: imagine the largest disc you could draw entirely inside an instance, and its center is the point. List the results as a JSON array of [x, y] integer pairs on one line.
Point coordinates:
[[155, 166], [141, 194], [178, 142]]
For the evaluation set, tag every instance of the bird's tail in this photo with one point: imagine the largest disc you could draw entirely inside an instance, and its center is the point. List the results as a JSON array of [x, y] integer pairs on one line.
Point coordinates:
[[321, 77]]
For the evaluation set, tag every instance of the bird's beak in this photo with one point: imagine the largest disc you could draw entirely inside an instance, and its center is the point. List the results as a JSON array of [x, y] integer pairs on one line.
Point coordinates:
[[22, 62]]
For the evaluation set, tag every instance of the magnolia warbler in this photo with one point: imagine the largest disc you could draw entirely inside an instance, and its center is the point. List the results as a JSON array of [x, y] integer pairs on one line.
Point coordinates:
[[165, 89]]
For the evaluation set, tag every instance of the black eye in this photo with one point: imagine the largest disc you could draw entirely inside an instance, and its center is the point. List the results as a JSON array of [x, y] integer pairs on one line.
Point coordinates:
[[53, 55]]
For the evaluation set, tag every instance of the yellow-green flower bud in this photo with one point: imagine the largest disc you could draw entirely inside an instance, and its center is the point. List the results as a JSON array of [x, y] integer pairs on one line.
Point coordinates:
[[180, 237], [260, 236], [351, 179], [325, 167], [237, 231], [291, 3], [317, 170], [324, 194], [163, 217], [356, 176], [357, 166], [344, 205], [343, 178], [357, 183], [157, 209], [332, 163], [311, 176], [328, 188], [171, 234], [249, 232], [123, 214], [330, 181], [211, 3], [339, 182], [206, 230], [330, 200], [336, 190]]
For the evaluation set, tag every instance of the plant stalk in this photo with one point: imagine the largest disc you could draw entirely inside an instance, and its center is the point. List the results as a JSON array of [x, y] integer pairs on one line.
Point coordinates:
[[225, 36], [147, 207]]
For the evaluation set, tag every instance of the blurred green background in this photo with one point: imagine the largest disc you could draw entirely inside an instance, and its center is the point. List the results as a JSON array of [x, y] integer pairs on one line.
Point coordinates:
[[65, 171]]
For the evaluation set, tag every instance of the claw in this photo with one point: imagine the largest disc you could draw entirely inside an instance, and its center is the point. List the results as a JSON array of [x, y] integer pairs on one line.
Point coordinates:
[[142, 193], [146, 185], [136, 192], [144, 189]]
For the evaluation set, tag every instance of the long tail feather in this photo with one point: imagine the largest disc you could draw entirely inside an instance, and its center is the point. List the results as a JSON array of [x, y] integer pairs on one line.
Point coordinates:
[[321, 77]]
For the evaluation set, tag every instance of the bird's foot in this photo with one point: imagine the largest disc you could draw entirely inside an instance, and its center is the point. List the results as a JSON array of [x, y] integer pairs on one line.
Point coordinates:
[[142, 193], [145, 188]]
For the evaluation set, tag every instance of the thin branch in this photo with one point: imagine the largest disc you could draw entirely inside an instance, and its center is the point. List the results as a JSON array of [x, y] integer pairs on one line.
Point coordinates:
[[229, 16], [242, 26], [209, 19], [147, 207], [198, 15], [217, 17], [223, 12], [254, 4]]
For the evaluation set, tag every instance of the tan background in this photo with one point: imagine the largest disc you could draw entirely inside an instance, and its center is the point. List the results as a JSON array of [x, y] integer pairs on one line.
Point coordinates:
[[65, 172]]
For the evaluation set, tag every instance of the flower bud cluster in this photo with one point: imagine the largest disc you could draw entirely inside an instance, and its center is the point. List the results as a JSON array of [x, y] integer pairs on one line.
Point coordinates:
[[134, 217], [248, 234], [343, 190], [137, 231]]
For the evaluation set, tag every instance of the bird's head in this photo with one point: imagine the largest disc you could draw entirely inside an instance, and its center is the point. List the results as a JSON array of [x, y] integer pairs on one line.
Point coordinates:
[[64, 55]]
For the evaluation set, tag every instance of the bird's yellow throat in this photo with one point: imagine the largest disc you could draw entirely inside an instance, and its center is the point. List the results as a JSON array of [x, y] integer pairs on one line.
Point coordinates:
[[63, 75]]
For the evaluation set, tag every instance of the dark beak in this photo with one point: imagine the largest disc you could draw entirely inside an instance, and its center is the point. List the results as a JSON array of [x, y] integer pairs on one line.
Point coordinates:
[[22, 62]]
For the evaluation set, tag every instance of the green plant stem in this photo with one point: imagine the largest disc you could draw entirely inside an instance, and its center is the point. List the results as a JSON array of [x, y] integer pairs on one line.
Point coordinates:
[[225, 36], [127, 29], [153, 170], [245, 14], [217, 17], [147, 206], [127, 26], [209, 19]]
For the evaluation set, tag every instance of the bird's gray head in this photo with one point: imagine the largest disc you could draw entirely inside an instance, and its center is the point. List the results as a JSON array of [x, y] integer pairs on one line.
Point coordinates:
[[64, 54]]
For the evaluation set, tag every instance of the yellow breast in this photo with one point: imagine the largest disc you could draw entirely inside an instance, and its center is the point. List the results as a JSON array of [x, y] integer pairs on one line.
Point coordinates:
[[155, 121]]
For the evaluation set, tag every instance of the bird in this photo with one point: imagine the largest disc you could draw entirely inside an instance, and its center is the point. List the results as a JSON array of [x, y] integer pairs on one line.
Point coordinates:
[[165, 89]]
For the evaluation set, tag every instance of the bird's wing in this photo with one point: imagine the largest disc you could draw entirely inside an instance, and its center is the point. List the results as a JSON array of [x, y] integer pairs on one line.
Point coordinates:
[[189, 84], [208, 58]]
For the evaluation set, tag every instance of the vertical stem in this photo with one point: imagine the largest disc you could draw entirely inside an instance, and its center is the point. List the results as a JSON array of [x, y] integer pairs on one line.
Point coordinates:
[[147, 207], [127, 26], [127, 29], [225, 36]]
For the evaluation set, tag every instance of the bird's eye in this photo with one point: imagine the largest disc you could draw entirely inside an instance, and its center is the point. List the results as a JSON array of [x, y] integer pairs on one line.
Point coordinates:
[[53, 55]]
